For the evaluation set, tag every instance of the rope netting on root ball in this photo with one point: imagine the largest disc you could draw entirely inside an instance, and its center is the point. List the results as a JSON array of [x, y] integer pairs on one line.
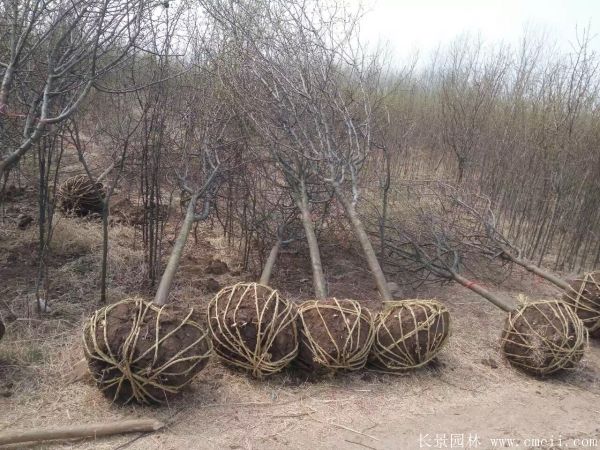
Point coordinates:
[[409, 334], [78, 195], [544, 337], [139, 351], [253, 328], [585, 301], [333, 335]]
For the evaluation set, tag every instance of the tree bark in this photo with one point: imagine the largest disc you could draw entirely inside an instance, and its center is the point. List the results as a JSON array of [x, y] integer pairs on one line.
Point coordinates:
[[505, 306], [162, 293], [81, 431], [540, 272], [313, 247], [268, 268], [365, 243]]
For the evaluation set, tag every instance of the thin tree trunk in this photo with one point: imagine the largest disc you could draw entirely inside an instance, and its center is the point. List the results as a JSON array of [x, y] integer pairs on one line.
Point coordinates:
[[538, 271], [313, 246], [270, 263], [365, 243], [502, 304], [162, 293]]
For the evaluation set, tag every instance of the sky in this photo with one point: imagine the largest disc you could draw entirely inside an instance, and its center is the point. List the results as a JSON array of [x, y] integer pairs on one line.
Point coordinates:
[[410, 25]]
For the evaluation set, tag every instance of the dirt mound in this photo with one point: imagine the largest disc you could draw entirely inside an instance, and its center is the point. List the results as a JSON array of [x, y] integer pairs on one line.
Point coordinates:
[[217, 267], [409, 334], [544, 337], [253, 328], [139, 351], [333, 335]]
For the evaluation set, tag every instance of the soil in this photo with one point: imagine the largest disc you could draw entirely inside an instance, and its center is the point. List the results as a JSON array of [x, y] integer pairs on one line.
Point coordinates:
[[409, 335], [586, 305], [118, 328], [543, 337], [332, 336], [470, 391], [236, 326]]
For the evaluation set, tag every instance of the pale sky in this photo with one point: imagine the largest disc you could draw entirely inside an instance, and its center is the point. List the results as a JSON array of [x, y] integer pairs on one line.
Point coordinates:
[[408, 25]]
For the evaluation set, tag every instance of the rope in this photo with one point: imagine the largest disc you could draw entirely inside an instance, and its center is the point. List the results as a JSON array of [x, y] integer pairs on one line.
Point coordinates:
[[120, 368], [400, 330], [78, 194], [585, 300], [234, 338], [351, 348], [544, 337]]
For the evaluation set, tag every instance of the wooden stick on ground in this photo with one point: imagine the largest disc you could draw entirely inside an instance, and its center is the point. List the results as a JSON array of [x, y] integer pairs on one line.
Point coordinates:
[[81, 431]]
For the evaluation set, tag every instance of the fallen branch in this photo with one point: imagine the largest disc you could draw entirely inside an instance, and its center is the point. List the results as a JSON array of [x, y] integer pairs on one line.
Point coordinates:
[[81, 431]]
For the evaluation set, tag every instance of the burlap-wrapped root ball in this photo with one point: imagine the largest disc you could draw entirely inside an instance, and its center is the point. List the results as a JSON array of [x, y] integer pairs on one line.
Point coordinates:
[[253, 328], [409, 334], [544, 337], [139, 351], [78, 195], [333, 335], [585, 301]]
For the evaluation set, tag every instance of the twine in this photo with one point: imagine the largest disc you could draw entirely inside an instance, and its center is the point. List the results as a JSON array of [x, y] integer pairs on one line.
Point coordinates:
[[233, 347], [396, 351], [352, 354], [533, 351], [586, 305], [122, 361], [78, 193]]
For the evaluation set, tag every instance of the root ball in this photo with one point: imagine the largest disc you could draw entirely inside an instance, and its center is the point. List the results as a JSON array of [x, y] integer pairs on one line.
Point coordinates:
[[585, 301], [139, 351], [334, 335], [544, 337], [78, 195], [409, 334], [253, 328]]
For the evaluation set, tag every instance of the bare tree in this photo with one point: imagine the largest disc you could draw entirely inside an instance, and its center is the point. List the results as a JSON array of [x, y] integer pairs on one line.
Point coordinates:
[[72, 45]]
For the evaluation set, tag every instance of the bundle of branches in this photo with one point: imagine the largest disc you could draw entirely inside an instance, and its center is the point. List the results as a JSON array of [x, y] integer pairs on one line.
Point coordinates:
[[409, 334], [433, 242], [253, 328], [139, 351], [334, 335]]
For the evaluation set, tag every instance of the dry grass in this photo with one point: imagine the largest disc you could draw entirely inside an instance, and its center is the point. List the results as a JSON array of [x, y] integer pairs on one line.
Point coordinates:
[[468, 388]]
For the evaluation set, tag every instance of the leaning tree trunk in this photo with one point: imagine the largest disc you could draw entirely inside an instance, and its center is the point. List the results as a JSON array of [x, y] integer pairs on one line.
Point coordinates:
[[539, 271], [268, 268], [365, 243], [162, 293], [313, 245], [502, 304]]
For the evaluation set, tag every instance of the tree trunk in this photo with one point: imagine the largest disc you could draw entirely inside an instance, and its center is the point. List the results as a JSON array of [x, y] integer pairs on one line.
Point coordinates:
[[540, 272], [313, 246], [365, 243], [162, 293], [270, 263], [503, 305]]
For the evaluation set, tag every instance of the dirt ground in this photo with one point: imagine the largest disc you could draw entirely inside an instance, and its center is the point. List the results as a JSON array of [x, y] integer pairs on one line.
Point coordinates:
[[466, 398]]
